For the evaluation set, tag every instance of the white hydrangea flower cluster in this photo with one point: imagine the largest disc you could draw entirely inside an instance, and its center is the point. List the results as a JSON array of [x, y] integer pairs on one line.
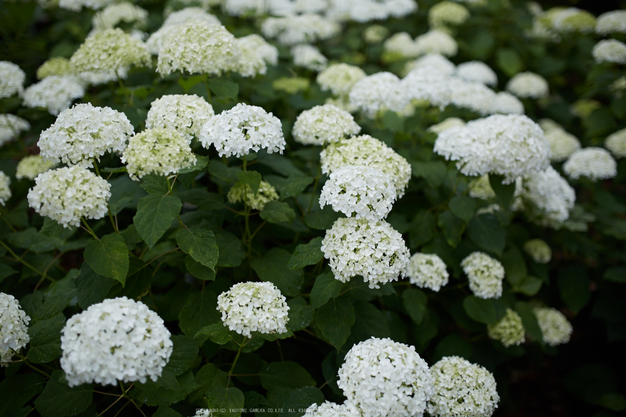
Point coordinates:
[[528, 85], [185, 113], [11, 126], [367, 10], [77, 5], [11, 79], [242, 129], [446, 124], [116, 340], [359, 191], [114, 14], [155, 41], [609, 50], [437, 61], [539, 250], [447, 13], [472, 96], [485, 275], [572, 19], [339, 78], [377, 92], [5, 188], [54, 66], [593, 163], [462, 389], [243, 193], [254, 307], [400, 46], [246, 7], [367, 151], [545, 196], [371, 249], [31, 166], [158, 151], [375, 34], [309, 57], [555, 327], [298, 29], [481, 188], [436, 41], [203, 412], [67, 194], [385, 378], [256, 53], [509, 330], [477, 71], [328, 409], [611, 22], [111, 50], [13, 327], [427, 84], [55, 93], [562, 143], [324, 124], [508, 145], [615, 142], [84, 133], [198, 47], [506, 103], [427, 271]]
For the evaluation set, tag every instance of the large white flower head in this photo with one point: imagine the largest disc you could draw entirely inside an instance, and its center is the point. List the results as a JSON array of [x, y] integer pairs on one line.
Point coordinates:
[[11, 79], [572, 19], [243, 193], [155, 41], [615, 142], [593, 163], [256, 53], [485, 275], [447, 13], [5, 188], [427, 271], [509, 329], [378, 92], [328, 409], [562, 144], [31, 166], [545, 197], [539, 250], [359, 191], [111, 50], [386, 378], [446, 124], [477, 71], [198, 47], [84, 133], [339, 78], [368, 151], [67, 194], [437, 61], [528, 85], [11, 126], [185, 113], [462, 389], [297, 29], [506, 103], [555, 327], [609, 50], [243, 129], [371, 249], [611, 22], [13, 327], [324, 124], [245, 7], [400, 46], [55, 93], [427, 84], [254, 307], [508, 145], [77, 5], [309, 57], [368, 10], [436, 42], [116, 340], [158, 151], [116, 13], [472, 95]]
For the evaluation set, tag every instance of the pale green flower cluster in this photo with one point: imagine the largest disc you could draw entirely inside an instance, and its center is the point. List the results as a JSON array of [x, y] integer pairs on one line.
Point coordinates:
[[116, 13], [573, 19], [562, 144], [324, 124], [539, 250], [427, 271], [11, 126], [375, 34], [11, 79], [555, 327], [242, 193], [611, 22], [31, 166], [291, 85], [610, 50], [185, 113], [5, 188], [54, 66], [13, 327], [509, 329], [339, 78], [616, 143], [481, 188], [528, 85], [447, 13], [485, 275], [400, 46], [158, 151]]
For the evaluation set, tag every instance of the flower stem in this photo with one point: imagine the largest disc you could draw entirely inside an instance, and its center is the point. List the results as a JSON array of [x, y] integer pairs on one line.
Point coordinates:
[[232, 367], [88, 229]]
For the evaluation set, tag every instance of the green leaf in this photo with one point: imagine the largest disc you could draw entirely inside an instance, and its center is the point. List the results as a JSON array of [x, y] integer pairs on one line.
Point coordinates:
[[574, 287], [45, 339], [223, 88], [453, 345], [207, 378], [529, 320], [17, 390], [482, 311], [6, 271], [299, 400], [58, 399], [300, 314], [202, 198], [273, 268], [139, 280], [463, 207], [198, 270], [415, 303], [108, 257], [124, 194], [251, 178], [230, 248], [321, 219], [504, 192], [485, 231], [294, 185], [369, 322], [59, 296], [509, 61], [91, 288], [201, 163], [188, 82], [613, 401], [285, 374], [154, 394], [307, 254], [165, 411], [324, 288], [452, 227], [334, 319], [225, 402], [529, 285], [481, 44], [433, 172], [200, 244], [514, 266], [216, 332], [277, 212], [155, 214], [199, 311], [183, 356], [393, 121], [154, 183], [222, 172], [616, 274], [422, 228]]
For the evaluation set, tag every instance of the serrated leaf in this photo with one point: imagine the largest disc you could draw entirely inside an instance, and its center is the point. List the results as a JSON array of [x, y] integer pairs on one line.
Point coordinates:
[[58, 399], [433, 172], [463, 207], [45, 339], [529, 320], [58, 297], [294, 185], [201, 163], [202, 198], [155, 395], [504, 192], [574, 287], [486, 232], [300, 314], [155, 214], [207, 378], [165, 411], [198, 270], [335, 319], [225, 402], [250, 178], [422, 228], [91, 288], [369, 322], [480, 310], [307, 254], [223, 88], [514, 266], [321, 219], [200, 244], [285, 374], [154, 183], [616, 274], [230, 248], [324, 288], [188, 82], [452, 227], [415, 303], [124, 193], [183, 355], [273, 268], [216, 333], [277, 212], [220, 171], [300, 399], [529, 285], [200, 310], [108, 257]]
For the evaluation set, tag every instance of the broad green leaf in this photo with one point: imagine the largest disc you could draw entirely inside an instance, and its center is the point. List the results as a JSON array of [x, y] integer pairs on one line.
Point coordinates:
[[324, 288], [307, 254], [108, 257], [199, 311], [58, 399], [226, 402], [251, 178], [529, 320], [183, 356], [138, 281], [155, 395], [369, 322], [207, 378], [279, 163], [198, 270], [223, 88], [220, 171], [216, 333], [393, 121], [300, 399], [514, 266], [294, 185], [529, 285], [154, 183], [124, 193], [300, 314], [334, 319], [483, 311], [165, 411], [59, 296], [230, 248], [415, 303], [616, 274], [481, 44], [17, 390], [285, 374], [202, 198], [509, 61], [91, 288], [452, 227], [200, 244], [321, 219], [453, 345], [188, 82], [277, 212], [463, 207], [155, 214], [6, 271], [433, 172], [201, 163], [45, 339], [131, 236], [273, 268], [574, 287], [486, 232], [422, 228]]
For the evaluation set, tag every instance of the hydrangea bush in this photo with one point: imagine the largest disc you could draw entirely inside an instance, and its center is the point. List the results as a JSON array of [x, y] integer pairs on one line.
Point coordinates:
[[324, 208]]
